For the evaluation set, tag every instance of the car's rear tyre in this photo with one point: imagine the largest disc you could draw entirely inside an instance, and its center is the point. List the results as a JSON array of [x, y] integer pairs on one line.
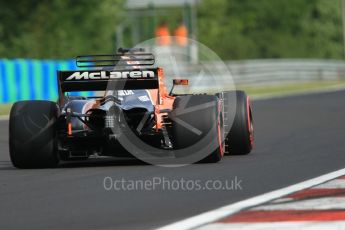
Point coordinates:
[[240, 138], [32, 134], [196, 122]]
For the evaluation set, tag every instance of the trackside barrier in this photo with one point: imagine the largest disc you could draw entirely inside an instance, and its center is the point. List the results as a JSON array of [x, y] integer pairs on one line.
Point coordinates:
[[264, 72], [23, 79], [27, 79], [282, 71]]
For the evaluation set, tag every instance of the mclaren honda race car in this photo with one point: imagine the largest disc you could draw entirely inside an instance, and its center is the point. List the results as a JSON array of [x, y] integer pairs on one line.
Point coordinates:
[[132, 113]]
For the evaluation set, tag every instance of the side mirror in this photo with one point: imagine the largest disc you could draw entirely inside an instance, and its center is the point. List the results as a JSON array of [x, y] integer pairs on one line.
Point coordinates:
[[180, 82]]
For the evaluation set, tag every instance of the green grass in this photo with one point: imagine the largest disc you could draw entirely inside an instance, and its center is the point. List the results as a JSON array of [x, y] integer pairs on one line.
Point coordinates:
[[5, 109], [290, 88]]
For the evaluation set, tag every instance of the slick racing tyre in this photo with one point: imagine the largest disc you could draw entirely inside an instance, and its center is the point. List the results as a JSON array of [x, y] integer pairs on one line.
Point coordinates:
[[32, 136], [196, 122], [240, 139]]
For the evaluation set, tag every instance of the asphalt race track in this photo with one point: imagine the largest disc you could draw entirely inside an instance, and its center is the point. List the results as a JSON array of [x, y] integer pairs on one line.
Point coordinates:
[[297, 138]]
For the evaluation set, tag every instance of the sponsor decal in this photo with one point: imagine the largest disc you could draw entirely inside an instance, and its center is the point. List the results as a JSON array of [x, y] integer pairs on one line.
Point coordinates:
[[110, 75], [125, 92], [144, 98]]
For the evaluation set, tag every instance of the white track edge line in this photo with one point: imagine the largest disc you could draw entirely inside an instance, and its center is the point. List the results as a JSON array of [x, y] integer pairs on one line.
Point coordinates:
[[216, 214], [4, 117]]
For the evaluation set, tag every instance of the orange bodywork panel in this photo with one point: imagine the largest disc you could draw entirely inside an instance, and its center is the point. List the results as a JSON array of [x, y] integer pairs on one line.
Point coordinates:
[[161, 100]]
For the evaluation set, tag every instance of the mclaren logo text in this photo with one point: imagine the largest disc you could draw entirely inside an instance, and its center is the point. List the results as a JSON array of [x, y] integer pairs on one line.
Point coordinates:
[[110, 75]]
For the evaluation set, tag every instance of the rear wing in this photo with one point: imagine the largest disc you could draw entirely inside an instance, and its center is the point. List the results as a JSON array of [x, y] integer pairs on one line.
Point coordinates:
[[133, 57], [129, 69], [101, 80], [116, 60]]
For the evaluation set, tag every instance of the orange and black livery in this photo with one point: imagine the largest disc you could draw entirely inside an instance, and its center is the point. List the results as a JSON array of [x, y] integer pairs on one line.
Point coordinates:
[[132, 103]]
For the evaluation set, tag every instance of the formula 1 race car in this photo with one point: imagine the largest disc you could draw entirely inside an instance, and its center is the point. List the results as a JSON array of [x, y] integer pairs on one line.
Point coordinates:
[[132, 105]]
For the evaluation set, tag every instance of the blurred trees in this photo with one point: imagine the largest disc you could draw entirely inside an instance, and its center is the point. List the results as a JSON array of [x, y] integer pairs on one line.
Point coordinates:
[[57, 28], [244, 29], [235, 29]]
